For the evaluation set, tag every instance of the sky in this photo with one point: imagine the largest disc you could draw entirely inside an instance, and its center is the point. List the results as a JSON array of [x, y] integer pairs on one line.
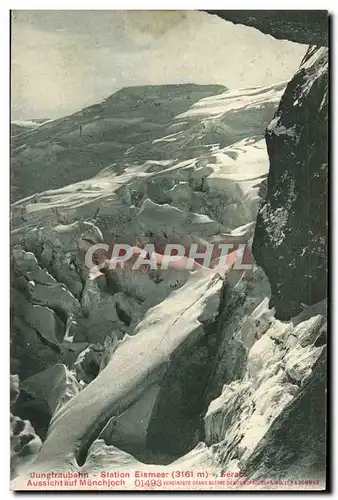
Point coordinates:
[[65, 60]]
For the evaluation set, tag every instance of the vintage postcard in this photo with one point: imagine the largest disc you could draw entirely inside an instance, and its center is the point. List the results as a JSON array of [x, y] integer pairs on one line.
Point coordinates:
[[169, 180]]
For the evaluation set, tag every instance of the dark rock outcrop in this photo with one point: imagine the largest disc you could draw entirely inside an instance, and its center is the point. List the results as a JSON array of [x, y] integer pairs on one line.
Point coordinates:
[[290, 241], [302, 26]]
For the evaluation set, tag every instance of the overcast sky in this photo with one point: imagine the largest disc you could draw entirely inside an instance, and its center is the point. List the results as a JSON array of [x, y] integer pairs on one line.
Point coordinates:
[[63, 61]]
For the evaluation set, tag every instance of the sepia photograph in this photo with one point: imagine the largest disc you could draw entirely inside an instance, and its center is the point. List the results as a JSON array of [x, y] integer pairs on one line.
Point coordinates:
[[168, 250]]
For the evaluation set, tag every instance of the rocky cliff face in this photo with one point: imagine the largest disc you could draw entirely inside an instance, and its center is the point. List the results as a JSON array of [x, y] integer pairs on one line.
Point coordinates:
[[302, 26], [291, 231]]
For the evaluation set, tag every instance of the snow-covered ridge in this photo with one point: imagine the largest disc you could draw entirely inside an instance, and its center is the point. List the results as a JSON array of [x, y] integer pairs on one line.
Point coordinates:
[[226, 102], [29, 123]]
